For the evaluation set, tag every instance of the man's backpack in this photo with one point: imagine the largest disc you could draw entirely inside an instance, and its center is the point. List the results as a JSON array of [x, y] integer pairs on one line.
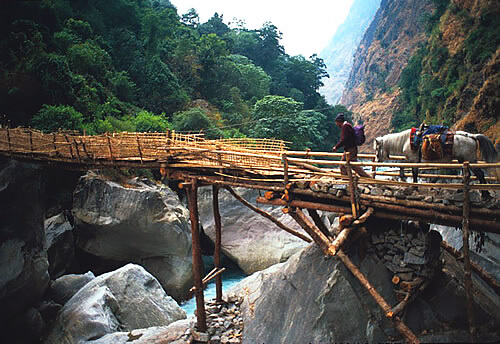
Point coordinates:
[[359, 132]]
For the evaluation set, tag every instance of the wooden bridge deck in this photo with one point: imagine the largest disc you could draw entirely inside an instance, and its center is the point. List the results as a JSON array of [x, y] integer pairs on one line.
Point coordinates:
[[292, 180], [258, 164]]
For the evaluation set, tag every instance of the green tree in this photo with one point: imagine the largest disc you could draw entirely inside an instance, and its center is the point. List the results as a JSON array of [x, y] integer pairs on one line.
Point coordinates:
[[283, 118], [146, 121], [195, 120], [50, 118]]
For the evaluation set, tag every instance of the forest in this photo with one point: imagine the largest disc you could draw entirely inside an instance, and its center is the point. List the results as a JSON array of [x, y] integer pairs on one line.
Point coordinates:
[[123, 65]]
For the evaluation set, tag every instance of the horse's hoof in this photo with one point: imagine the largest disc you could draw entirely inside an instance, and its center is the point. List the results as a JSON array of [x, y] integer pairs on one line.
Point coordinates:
[[485, 195]]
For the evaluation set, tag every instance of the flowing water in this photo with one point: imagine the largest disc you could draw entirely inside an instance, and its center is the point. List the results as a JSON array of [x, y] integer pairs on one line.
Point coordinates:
[[231, 276]]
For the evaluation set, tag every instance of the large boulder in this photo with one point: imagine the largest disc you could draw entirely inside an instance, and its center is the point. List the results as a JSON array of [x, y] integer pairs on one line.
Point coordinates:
[[123, 300], [59, 243], [315, 299], [63, 288], [311, 299], [142, 223], [175, 333], [23, 261], [249, 239]]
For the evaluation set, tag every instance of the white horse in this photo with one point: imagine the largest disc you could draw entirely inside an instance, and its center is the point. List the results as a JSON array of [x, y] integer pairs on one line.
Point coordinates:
[[464, 149]]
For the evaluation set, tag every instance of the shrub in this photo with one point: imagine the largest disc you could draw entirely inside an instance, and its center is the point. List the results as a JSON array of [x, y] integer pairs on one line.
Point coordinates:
[[50, 118]]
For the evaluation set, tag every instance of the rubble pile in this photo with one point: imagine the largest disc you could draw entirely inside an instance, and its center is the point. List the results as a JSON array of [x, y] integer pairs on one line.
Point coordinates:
[[224, 322]]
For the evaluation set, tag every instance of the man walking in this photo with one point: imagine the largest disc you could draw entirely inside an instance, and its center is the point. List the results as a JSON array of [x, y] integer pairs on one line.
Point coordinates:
[[348, 141]]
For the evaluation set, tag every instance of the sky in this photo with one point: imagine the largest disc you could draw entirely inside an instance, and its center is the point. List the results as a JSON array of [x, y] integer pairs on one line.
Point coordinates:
[[307, 26]]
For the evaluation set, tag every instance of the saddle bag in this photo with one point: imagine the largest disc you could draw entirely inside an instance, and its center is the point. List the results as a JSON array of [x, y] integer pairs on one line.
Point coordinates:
[[432, 148]]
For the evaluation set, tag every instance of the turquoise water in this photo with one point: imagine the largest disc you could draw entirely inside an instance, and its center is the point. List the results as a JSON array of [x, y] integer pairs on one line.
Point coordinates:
[[232, 275]]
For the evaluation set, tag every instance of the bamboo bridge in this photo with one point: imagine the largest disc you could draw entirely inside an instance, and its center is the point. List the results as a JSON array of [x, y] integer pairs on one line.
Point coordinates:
[[293, 180]]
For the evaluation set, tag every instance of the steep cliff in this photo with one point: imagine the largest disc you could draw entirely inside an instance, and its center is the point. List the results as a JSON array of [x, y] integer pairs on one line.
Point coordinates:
[[338, 55], [435, 61], [391, 39]]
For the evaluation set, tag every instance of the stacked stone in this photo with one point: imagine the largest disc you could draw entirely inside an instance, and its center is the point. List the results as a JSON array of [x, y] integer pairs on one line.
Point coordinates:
[[224, 322], [432, 195], [408, 256]]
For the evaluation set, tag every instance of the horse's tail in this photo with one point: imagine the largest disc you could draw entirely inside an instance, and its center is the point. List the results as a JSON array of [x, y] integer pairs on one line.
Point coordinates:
[[486, 147], [488, 151]]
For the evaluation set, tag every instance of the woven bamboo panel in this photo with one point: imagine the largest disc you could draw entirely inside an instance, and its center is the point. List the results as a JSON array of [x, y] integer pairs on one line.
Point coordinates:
[[170, 146]]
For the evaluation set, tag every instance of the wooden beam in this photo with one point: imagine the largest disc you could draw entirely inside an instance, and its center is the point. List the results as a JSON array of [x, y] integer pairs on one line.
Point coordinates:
[[267, 216], [322, 240], [306, 204], [465, 237], [218, 242], [201, 317], [318, 222]]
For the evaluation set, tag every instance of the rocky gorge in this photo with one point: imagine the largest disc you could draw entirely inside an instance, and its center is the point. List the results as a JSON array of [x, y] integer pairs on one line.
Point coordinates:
[[73, 262]]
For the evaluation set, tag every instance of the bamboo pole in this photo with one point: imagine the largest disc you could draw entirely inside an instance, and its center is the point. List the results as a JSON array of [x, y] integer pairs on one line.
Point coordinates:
[[54, 143], [201, 317], [70, 146], [210, 276], [139, 147], [109, 147], [285, 168], [8, 141], [467, 266], [267, 215], [351, 185], [218, 242]]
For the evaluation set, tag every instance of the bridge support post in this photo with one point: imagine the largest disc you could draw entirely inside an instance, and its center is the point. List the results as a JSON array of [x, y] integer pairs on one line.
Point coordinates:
[[465, 237], [201, 317], [218, 242]]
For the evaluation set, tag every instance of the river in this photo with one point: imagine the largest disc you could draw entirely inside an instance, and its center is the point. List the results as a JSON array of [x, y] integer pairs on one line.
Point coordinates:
[[231, 276]]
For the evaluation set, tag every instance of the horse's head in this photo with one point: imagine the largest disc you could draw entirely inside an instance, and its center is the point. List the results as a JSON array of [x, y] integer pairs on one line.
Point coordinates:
[[380, 153]]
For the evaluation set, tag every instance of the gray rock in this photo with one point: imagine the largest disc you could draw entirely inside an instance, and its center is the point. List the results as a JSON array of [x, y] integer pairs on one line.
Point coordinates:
[[123, 300], [145, 224], [249, 239], [276, 308], [59, 243], [376, 191], [23, 261], [175, 333], [63, 288], [412, 259]]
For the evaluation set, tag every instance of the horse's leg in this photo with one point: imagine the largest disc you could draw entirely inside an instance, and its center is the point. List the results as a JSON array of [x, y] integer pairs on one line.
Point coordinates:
[[402, 174], [480, 175], [414, 171]]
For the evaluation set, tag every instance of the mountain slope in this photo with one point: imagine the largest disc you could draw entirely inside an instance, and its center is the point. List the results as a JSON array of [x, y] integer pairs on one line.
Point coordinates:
[[433, 61], [338, 55], [391, 39]]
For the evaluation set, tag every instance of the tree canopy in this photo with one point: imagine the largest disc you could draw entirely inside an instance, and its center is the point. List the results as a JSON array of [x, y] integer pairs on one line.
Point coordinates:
[[139, 65]]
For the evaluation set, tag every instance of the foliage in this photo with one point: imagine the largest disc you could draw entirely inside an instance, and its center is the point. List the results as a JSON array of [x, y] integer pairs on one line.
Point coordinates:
[[195, 120], [115, 65], [433, 84], [283, 118], [146, 121], [51, 118]]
